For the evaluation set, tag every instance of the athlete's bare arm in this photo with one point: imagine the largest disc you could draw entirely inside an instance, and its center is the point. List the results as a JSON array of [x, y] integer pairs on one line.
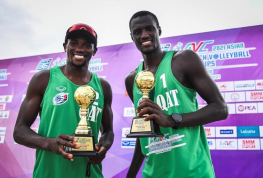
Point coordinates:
[[107, 135], [196, 77], [138, 157], [189, 70], [28, 112]]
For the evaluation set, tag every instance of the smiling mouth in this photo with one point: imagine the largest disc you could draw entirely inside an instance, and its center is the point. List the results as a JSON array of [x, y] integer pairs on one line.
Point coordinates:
[[78, 56], [146, 43]]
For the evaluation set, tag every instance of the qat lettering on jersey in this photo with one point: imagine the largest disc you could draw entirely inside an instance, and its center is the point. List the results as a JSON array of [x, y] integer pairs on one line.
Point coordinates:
[[168, 100]]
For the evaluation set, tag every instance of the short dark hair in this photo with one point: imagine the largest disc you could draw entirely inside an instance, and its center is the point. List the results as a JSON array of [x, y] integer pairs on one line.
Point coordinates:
[[144, 13]]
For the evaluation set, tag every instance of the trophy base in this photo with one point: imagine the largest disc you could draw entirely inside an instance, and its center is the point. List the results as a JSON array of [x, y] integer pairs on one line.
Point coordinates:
[[144, 134], [83, 153], [141, 128], [87, 146]]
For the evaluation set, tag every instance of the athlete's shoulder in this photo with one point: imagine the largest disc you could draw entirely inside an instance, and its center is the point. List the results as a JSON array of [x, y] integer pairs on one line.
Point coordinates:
[[41, 76], [106, 88], [104, 82], [131, 76], [105, 85], [39, 82], [185, 55]]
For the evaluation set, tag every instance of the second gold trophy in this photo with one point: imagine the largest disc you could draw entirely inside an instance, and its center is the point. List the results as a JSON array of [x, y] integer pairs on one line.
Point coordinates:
[[145, 81]]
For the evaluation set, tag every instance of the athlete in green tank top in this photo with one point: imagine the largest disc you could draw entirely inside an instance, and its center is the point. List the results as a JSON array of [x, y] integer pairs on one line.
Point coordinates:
[[51, 94], [61, 114], [183, 151], [188, 145]]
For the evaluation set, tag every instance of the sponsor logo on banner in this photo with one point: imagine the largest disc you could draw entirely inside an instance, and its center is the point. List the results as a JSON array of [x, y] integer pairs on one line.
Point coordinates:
[[178, 46], [254, 95], [244, 108], [200, 47], [259, 84], [235, 97], [95, 65], [2, 130], [218, 52], [261, 131], [261, 144], [249, 131], [4, 114], [128, 142], [47, 63], [245, 85], [60, 98], [225, 86], [211, 144], [210, 131], [2, 138], [260, 107], [226, 131], [3, 74], [129, 112], [215, 76], [6, 98], [125, 131], [44, 64], [2, 106], [226, 144], [231, 108], [248, 144], [165, 47], [59, 62]]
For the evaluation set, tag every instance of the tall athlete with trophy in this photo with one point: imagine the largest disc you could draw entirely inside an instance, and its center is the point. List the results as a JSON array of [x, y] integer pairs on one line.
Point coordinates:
[[182, 151], [74, 104]]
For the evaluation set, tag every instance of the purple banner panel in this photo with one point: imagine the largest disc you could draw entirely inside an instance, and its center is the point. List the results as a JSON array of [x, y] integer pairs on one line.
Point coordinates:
[[233, 58]]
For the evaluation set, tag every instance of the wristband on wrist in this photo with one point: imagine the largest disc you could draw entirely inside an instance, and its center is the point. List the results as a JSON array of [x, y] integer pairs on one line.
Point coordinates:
[[177, 120]]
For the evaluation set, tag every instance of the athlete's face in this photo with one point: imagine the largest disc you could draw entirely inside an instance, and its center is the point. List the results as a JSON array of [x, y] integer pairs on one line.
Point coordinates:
[[79, 51], [145, 34]]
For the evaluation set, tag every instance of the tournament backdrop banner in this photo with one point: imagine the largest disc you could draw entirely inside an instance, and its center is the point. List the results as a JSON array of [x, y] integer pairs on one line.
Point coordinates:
[[233, 58]]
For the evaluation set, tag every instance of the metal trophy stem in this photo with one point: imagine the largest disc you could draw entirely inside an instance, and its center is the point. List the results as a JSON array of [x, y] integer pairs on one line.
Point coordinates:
[[83, 126], [145, 81]]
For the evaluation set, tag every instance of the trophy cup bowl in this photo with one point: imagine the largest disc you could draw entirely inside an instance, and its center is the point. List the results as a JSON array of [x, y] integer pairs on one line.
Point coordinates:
[[145, 81], [84, 97]]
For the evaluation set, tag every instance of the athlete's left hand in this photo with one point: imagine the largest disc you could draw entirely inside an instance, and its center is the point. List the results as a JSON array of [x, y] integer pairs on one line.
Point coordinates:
[[102, 153], [147, 106]]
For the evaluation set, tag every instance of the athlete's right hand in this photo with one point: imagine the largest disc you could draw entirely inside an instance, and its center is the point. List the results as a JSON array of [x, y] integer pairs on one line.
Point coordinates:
[[57, 145]]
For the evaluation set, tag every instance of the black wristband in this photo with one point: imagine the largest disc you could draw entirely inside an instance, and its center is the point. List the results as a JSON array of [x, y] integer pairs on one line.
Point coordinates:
[[177, 120]]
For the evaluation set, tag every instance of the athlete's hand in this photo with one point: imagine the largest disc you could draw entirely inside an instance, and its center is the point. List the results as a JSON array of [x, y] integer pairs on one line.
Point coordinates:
[[57, 145], [147, 106], [102, 153]]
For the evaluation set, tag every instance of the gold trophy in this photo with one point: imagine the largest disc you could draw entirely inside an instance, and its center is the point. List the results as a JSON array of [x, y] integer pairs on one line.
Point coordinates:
[[145, 81], [84, 96]]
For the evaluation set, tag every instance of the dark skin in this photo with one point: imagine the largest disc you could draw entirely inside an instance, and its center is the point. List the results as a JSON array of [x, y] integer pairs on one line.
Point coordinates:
[[187, 68], [79, 52]]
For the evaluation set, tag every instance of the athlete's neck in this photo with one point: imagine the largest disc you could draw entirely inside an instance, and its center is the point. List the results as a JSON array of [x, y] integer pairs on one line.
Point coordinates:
[[152, 60], [78, 75]]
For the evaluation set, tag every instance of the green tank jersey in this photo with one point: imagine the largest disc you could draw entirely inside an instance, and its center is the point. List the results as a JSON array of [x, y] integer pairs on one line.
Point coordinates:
[[180, 153], [61, 114]]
